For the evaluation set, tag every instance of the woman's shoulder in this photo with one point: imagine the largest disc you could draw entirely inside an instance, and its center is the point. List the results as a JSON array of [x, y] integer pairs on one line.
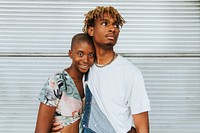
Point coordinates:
[[60, 75]]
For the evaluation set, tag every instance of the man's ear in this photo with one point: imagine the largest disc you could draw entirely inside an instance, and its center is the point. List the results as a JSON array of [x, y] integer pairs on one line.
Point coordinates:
[[90, 31], [70, 53]]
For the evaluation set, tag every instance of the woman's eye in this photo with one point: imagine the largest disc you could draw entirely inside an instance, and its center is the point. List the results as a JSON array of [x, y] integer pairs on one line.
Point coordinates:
[[80, 54], [91, 55]]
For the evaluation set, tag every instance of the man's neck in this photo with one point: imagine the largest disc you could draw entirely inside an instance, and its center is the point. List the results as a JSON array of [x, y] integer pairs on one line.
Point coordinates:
[[105, 57]]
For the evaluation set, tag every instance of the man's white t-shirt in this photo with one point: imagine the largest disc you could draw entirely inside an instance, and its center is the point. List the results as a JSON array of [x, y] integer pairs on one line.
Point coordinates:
[[119, 91]]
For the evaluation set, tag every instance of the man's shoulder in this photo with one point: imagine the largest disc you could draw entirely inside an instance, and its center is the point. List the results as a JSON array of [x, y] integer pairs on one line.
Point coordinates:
[[127, 63]]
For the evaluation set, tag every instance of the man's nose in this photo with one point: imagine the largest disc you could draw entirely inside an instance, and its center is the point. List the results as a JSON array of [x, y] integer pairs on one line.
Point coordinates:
[[111, 27]]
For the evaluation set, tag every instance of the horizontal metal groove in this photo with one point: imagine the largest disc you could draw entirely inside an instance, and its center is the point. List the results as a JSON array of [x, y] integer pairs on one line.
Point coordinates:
[[142, 35], [50, 12], [63, 4], [139, 15], [143, 2], [160, 54], [15, 54]]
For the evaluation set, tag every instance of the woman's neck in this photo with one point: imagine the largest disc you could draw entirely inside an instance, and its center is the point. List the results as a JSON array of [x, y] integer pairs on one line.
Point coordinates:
[[74, 74]]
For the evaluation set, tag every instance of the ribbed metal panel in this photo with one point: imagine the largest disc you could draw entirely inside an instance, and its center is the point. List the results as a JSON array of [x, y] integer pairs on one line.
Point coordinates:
[[21, 81], [162, 37], [152, 26], [173, 85]]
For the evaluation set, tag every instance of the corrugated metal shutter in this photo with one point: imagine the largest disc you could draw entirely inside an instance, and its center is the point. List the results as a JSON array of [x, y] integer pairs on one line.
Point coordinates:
[[162, 37]]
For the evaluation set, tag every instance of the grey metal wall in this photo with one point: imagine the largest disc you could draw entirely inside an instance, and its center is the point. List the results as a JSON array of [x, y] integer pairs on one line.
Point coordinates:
[[162, 37]]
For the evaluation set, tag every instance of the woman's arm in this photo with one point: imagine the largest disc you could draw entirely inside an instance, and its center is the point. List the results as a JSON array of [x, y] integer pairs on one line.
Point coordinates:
[[45, 118]]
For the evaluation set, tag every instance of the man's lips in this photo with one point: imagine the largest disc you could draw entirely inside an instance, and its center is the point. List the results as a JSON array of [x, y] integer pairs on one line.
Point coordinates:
[[110, 37]]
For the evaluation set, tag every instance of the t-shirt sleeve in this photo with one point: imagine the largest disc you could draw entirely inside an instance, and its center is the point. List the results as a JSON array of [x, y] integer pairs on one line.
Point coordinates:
[[50, 93], [139, 101]]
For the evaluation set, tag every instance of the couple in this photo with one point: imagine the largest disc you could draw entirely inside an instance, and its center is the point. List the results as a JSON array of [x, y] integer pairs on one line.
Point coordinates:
[[117, 97]]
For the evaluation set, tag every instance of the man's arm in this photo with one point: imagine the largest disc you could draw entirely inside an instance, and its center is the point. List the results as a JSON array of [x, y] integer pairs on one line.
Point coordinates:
[[141, 122]]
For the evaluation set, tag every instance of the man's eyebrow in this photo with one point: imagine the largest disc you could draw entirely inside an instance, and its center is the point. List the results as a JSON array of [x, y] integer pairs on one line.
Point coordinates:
[[107, 20], [104, 19]]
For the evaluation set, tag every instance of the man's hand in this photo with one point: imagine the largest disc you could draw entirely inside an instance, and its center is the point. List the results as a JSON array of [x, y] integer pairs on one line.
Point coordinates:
[[56, 127]]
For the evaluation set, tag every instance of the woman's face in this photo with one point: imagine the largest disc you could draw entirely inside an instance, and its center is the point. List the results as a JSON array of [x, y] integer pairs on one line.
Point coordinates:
[[82, 56]]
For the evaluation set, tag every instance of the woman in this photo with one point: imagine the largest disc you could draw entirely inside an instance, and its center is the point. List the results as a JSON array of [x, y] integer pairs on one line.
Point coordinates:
[[62, 94]]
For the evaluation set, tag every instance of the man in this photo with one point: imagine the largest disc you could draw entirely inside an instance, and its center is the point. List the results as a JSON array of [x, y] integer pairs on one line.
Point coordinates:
[[119, 98]]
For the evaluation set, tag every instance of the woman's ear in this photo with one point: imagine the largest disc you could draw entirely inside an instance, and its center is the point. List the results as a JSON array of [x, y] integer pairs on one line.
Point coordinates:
[[70, 53], [91, 31]]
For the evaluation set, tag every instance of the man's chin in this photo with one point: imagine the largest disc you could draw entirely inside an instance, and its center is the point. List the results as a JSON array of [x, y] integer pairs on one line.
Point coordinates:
[[111, 44]]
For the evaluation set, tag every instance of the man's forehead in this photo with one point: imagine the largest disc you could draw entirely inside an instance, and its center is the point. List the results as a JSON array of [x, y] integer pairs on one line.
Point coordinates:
[[107, 17]]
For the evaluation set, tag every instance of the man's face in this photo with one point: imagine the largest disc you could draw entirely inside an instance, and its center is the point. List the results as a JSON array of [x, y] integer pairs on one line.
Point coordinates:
[[106, 31]]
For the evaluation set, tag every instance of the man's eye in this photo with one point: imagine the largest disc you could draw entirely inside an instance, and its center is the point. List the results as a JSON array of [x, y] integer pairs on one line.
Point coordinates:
[[80, 54], [104, 23], [117, 26]]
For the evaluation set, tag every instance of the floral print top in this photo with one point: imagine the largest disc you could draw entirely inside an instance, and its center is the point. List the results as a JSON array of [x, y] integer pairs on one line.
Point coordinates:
[[60, 91]]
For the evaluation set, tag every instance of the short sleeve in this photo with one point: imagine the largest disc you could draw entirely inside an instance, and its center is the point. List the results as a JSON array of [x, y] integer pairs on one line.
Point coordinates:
[[139, 101], [51, 93]]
